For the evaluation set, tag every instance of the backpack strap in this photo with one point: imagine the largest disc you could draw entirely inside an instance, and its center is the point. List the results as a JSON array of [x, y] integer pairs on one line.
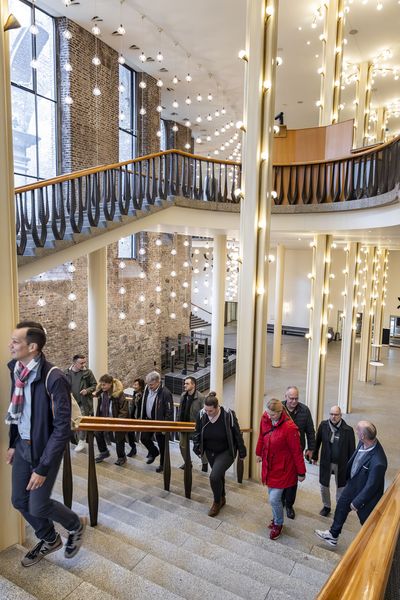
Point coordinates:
[[47, 379]]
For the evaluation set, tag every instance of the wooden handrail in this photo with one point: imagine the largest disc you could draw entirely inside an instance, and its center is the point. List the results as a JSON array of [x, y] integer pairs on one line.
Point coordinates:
[[111, 424], [364, 569], [119, 165], [201, 308]]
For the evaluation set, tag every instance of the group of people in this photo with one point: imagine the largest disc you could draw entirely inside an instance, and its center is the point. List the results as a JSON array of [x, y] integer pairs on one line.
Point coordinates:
[[359, 471], [39, 416]]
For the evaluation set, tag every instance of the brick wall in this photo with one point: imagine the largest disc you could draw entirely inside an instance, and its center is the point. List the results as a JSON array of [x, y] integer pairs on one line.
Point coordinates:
[[133, 349], [90, 125]]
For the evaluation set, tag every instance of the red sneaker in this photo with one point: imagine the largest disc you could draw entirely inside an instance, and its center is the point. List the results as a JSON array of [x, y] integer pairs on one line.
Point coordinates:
[[275, 532]]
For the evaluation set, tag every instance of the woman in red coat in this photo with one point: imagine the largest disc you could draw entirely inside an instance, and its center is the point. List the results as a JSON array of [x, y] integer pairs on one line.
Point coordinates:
[[279, 450]]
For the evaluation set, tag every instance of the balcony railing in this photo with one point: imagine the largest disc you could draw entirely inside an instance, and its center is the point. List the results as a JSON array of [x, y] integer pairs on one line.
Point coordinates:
[[58, 208]]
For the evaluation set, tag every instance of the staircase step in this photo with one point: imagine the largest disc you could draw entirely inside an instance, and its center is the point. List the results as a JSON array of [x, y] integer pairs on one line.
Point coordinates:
[[109, 576], [11, 591]]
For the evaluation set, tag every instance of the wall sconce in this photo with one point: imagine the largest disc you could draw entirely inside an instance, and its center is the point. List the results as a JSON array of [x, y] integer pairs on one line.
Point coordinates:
[[11, 23]]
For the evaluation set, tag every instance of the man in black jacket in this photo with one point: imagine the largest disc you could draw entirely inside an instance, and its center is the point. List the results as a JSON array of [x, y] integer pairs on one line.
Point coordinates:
[[301, 416], [157, 405], [191, 403], [336, 440], [365, 482], [39, 416]]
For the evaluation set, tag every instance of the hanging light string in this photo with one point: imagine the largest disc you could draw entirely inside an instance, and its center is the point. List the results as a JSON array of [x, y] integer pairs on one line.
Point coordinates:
[[158, 288], [122, 291], [142, 277], [173, 278], [186, 266], [72, 297]]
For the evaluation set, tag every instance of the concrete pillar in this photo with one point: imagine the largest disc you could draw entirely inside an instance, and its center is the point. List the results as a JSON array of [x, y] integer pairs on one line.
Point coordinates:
[[381, 124], [10, 530], [366, 330], [331, 69], [363, 101], [97, 312], [349, 324], [377, 302], [320, 281], [279, 281], [217, 316], [259, 106]]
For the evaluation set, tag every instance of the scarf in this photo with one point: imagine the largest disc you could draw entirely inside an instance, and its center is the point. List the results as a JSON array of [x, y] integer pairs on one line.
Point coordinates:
[[334, 429], [21, 375]]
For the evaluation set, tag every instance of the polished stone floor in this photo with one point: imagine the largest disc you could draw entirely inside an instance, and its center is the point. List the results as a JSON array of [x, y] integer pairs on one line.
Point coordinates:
[[378, 403]]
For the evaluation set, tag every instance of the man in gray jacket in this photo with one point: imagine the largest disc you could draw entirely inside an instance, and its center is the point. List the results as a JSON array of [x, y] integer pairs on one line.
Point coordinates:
[[191, 403]]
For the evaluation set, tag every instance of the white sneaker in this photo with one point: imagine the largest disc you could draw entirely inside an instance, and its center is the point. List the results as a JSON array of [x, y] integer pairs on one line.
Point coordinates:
[[80, 446], [326, 536]]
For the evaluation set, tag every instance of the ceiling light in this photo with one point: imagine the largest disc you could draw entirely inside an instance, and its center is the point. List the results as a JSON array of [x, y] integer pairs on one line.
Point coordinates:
[[142, 57], [188, 100], [199, 97], [199, 119], [159, 56], [96, 61], [96, 91], [96, 30], [175, 79], [243, 55], [209, 97], [175, 104], [159, 108], [121, 59], [121, 30], [279, 61], [159, 83], [143, 85], [209, 117], [188, 78]]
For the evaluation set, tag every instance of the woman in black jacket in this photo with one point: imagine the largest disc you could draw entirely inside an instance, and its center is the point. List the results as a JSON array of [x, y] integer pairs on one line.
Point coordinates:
[[218, 436]]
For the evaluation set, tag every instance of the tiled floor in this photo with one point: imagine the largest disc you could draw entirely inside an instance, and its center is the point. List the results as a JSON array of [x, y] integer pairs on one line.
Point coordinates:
[[378, 403]]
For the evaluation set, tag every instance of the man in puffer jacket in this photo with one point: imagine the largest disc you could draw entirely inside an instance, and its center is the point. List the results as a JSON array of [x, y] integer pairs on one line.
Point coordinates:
[[111, 403]]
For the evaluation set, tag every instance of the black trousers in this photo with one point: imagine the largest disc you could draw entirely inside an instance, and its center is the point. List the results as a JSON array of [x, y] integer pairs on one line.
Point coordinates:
[[147, 440], [289, 496], [36, 506], [219, 463], [132, 439], [119, 442]]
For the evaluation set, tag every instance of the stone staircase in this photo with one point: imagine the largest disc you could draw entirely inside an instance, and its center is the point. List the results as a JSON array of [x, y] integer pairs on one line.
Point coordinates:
[[197, 322], [151, 544]]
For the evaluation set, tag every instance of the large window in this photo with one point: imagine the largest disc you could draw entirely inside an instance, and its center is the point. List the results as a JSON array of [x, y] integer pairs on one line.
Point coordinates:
[[33, 94], [127, 113]]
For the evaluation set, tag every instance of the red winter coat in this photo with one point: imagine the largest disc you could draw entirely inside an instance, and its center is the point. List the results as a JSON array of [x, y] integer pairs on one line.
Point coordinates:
[[280, 450]]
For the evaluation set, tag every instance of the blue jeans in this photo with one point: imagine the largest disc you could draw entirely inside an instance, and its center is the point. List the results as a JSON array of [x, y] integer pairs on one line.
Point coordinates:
[[275, 500], [36, 506]]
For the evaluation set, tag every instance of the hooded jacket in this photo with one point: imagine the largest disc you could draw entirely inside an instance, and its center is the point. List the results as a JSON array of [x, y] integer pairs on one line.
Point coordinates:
[[119, 404], [279, 447]]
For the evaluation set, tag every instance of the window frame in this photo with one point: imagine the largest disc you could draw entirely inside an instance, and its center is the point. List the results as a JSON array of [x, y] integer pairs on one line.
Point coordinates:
[[36, 95], [132, 132]]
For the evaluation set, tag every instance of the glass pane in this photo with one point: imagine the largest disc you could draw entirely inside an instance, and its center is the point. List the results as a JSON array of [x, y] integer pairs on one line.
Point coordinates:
[[24, 131], [125, 98], [125, 146], [45, 55], [21, 45], [125, 247], [46, 138]]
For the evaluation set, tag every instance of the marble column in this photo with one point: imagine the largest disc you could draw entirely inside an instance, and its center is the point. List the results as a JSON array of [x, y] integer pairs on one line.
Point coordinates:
[[257, 181], [318, 332], [363, 101], [349, 325], [366, 330], [278, 309], [331, 69], [11, 531], [217, 316], [98, 312]]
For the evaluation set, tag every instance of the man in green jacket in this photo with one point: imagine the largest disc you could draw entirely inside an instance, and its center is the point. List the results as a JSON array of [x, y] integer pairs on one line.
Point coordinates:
[[191, 403], [83, 384]]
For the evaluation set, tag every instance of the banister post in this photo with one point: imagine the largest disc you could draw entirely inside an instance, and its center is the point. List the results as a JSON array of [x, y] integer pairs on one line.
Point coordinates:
[[217, 316]]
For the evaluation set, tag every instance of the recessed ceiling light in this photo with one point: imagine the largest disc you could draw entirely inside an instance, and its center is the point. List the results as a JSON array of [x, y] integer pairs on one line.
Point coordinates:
[[353, 31]]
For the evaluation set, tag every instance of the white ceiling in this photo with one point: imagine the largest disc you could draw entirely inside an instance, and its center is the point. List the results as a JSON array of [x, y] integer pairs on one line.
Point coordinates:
[[203, 38]]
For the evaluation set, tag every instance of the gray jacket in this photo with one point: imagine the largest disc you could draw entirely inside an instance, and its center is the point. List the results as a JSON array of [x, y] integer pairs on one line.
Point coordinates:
[[195, 407]]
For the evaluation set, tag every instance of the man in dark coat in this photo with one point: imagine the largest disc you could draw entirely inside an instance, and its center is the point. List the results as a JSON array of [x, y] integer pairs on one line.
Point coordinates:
[[157, 405], [365, 482], [336, 440], [301, 416], [191, 403]]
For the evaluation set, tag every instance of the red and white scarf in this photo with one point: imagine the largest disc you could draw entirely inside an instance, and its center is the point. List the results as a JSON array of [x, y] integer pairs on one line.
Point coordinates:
[[21, 375]]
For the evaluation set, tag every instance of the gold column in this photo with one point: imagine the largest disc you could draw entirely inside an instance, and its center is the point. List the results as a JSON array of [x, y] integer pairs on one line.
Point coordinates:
[[10, 532], [259, 102], [363, 102]]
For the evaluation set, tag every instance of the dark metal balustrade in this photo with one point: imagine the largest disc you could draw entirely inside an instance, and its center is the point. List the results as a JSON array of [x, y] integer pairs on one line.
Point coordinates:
[[70, 204]]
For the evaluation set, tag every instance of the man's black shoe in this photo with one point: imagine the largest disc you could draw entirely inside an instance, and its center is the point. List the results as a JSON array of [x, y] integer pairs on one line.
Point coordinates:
[[132, 452], [151, 459], [325, 511], [160, 469], [290, 512]]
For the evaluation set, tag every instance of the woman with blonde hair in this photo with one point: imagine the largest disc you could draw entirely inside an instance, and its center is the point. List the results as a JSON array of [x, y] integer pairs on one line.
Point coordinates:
[[279, 451]]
